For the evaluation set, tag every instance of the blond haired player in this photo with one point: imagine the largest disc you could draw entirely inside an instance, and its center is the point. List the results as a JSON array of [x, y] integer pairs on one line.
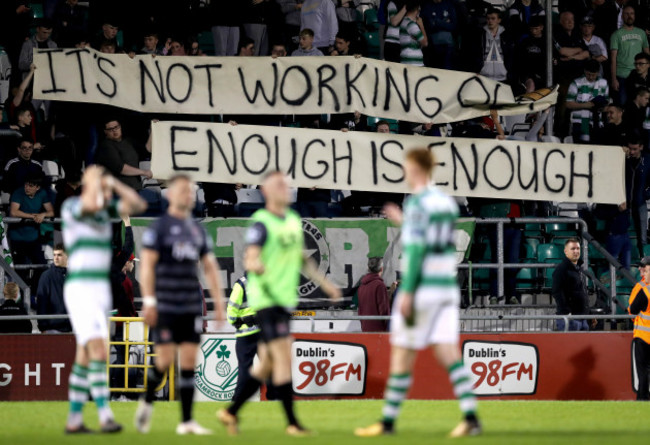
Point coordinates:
[[87, 236], [426, 309]]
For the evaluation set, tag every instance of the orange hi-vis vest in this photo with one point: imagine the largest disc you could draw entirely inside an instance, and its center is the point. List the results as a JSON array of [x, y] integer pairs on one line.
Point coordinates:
[[642, 320]]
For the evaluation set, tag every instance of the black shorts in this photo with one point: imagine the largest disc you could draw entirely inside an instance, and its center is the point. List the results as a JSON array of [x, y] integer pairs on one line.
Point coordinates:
[[177, 328], [274, 323]]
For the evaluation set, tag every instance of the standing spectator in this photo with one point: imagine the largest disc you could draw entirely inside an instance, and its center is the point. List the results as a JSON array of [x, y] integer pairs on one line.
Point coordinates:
[[531, 57], [49, 296], [617, 224], [118, 155], [640, 306], [69, 22], [637, 109], [18, 169], [291, 29], [569, 290], [440, 23], [395, 11], [586, 96], [595, 45], [625, 43], [412, 36], [40, 40], [521, 13], [637, 175], [11, 307], [638, 77], [615, 129], [108, 33], [570, 54], [320, 17], [373, 297], [150, 41], [226, 19], [346, 13], [256, 16], [306, 47], [278, 50], [496, 48]]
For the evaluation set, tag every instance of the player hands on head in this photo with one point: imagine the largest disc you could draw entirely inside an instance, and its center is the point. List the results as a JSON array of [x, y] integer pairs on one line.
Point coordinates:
[[274, 259], [427, 305], [87, 236], [172, 247]]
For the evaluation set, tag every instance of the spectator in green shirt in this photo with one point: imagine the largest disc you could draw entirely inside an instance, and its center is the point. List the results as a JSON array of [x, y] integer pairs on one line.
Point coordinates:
[[625, 43]]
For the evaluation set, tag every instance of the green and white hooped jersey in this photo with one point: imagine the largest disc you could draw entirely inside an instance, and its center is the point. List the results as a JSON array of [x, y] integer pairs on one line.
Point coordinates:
[[87, 240], [428, 257]]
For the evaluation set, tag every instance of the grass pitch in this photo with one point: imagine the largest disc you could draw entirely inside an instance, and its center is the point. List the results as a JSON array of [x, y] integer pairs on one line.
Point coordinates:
[[505, 422]]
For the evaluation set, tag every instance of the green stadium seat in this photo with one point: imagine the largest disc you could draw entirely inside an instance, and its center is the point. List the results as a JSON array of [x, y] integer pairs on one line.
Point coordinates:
[[373, 42], [37, 10], [549, 253], [206, 42], [533, 230], [530, 252], [595, 254], [646, 250], [371, 19]]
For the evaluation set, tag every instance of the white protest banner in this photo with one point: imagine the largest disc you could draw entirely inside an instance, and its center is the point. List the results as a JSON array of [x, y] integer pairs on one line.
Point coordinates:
[[263, 85], [330, 159]]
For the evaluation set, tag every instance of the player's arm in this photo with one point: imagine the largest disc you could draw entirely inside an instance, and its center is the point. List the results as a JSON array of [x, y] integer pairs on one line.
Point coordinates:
[[148, 260], [255, 239], [130, 202], [211, 270], [310, 270]]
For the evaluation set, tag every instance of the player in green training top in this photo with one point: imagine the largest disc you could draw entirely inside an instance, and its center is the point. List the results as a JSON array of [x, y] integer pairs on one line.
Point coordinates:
[[274, 259], [426, 310]]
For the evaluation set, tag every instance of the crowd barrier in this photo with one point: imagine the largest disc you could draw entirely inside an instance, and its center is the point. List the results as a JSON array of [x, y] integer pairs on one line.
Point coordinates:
[[534, 366]]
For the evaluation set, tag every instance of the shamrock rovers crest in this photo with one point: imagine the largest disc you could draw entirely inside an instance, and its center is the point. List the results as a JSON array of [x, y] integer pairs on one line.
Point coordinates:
[[217, 370]]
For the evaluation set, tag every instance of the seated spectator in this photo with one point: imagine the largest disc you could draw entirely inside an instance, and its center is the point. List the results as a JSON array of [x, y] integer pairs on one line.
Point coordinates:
[[220, 198], [586, 96], [246, 47], [320, 17], [119, 156], [11, 307], [531, 57], [374, 299], [639, 75], [496, 48], [349, 122], [40, 40], [635, 110], [440, 23], [49, 296], [306, 45], [569, 291], [151, 44], [383, 127], [278, 50], [18, 169], [176, 47], [24, 121], [342, 46], [412, 36], [615, 131], [521, 13], [595, 45], [108, 33], [108, 47]]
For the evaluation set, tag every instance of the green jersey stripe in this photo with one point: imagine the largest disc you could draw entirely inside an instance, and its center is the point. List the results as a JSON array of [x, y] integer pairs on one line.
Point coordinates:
[[87, 275]]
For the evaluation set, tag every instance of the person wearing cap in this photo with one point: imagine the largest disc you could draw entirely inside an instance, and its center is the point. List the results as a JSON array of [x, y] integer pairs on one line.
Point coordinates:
[[639, 305], [40, 40], [595, 45], [49, 295]]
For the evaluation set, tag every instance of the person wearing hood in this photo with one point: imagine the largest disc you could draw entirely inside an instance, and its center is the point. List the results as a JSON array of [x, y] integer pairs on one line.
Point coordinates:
[[374, 299], [49, 296], [497, 48]]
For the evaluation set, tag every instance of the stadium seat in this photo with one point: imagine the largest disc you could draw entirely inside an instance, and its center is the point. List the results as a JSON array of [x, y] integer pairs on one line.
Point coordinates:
[[549, 253], [530, 251], [371, 19], [37, 10], [146, 165], [373, 42], [646, 250], [53, 171], [533, 230], [206, 42], [552, 139]]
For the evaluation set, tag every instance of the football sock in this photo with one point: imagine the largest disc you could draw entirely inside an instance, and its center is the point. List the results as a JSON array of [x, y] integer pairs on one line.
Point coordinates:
[[77, 394], [460, 379], [396, 389], [154, 377], [250, 387], [99, 389], [186, 384], [285, 394]]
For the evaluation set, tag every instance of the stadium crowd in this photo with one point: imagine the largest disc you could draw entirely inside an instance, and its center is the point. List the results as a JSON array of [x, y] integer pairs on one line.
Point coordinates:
[[601, 61]]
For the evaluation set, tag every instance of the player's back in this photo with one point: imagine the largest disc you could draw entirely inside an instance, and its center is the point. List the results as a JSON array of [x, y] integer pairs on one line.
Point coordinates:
[[282, 259], [429, 223], [87, 239], [180, 244]]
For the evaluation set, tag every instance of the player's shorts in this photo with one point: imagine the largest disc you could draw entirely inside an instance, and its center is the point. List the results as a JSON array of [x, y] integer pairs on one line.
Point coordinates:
[[274, 323], [88, 303], [436, 319], [177, 328]]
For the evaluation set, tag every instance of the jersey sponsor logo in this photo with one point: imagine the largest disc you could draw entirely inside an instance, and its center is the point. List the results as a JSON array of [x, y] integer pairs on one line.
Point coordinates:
[[217, 369], [328, 368], [182, 250], [502, 368], [149, 237], [316, 248]]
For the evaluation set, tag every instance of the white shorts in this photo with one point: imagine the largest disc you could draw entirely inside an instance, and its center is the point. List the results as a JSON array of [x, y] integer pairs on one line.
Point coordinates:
[[88, 303], [436, 319]]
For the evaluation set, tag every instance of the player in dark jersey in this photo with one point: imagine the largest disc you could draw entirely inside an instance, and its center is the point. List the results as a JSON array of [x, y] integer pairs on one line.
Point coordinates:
[[172, 247]]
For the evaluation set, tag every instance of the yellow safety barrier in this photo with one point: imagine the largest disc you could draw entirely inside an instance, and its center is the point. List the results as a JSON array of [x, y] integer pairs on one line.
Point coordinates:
[[127, 343]]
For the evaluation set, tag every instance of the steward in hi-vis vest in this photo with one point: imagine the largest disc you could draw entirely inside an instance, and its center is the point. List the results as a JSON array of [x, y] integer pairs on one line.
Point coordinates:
[[639, 306]]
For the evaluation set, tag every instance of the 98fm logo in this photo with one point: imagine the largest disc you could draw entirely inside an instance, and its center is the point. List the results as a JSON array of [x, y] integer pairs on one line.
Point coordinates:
[[328, 368], [502, 368]]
